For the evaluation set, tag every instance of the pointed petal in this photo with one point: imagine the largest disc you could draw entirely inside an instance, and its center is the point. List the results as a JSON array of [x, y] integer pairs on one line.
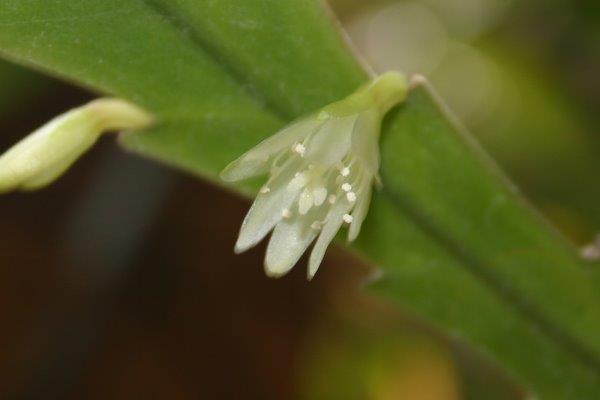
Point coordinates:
[[332, 226], [305, 202], [320, 194], [243, 168], [332, 142], [298, 182], [360, 210], [365, 140], [267, 208], [289, 241], [257, 160]]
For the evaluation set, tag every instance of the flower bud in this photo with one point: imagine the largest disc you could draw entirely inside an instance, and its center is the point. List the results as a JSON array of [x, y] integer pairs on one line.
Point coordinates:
[[47, 153]]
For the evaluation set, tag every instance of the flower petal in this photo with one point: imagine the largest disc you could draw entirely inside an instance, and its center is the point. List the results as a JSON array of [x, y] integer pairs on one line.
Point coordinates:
[[305, 202], [256, 161], [365, 140], [289, 241], [360, 210], [332, 142], [320, 194], [243, 168], [332, 226], [266, 211]]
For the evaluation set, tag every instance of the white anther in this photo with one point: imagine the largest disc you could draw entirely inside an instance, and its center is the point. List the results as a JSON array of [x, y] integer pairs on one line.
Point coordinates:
[[265, 189], [316, 225], [285, 213], [351, 196], [332, 199], [299, 148], [345, 171], [347, 218], [346, 187]]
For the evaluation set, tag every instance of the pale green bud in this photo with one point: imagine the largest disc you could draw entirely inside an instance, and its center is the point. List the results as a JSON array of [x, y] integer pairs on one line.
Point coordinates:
[[45, 154]]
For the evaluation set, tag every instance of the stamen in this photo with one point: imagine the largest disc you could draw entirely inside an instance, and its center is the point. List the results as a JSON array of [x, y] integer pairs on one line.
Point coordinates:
[[346, 187], [299, 148], [316, 225], [345, 171], [351, 196], [285, 213], [347, 218], [332, 199], [265, 189]]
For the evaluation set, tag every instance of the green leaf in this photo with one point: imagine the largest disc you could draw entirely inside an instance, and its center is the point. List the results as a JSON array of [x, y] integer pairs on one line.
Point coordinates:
[[454, 239], [18, 85], [470, 254]]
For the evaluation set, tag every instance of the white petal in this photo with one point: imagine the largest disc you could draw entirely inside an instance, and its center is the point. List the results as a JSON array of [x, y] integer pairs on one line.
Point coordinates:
[[298, 182], [332, 142], [365, 140], [289, 241], [320, 194], [243, 168], [267, 208], [256, 161], [305, 202], [360, 211], [332, 226]]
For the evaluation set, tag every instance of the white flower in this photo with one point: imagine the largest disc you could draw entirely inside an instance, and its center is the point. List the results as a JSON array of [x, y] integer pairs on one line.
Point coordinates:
[[322, 169], [45, 154]]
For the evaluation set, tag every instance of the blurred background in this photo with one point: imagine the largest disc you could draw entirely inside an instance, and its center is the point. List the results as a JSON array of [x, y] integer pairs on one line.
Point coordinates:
[[119, 281]]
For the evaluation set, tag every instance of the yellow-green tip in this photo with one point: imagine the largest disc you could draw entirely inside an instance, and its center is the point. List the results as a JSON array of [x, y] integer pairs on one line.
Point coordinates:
[[388, 90]]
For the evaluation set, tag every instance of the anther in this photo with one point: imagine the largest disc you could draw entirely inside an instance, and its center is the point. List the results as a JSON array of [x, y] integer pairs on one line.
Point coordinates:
[[332, 199], [346, 187], [351, 196], [265, 189], [347, 218], [285, 213], [299, 148], [345, 171]]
